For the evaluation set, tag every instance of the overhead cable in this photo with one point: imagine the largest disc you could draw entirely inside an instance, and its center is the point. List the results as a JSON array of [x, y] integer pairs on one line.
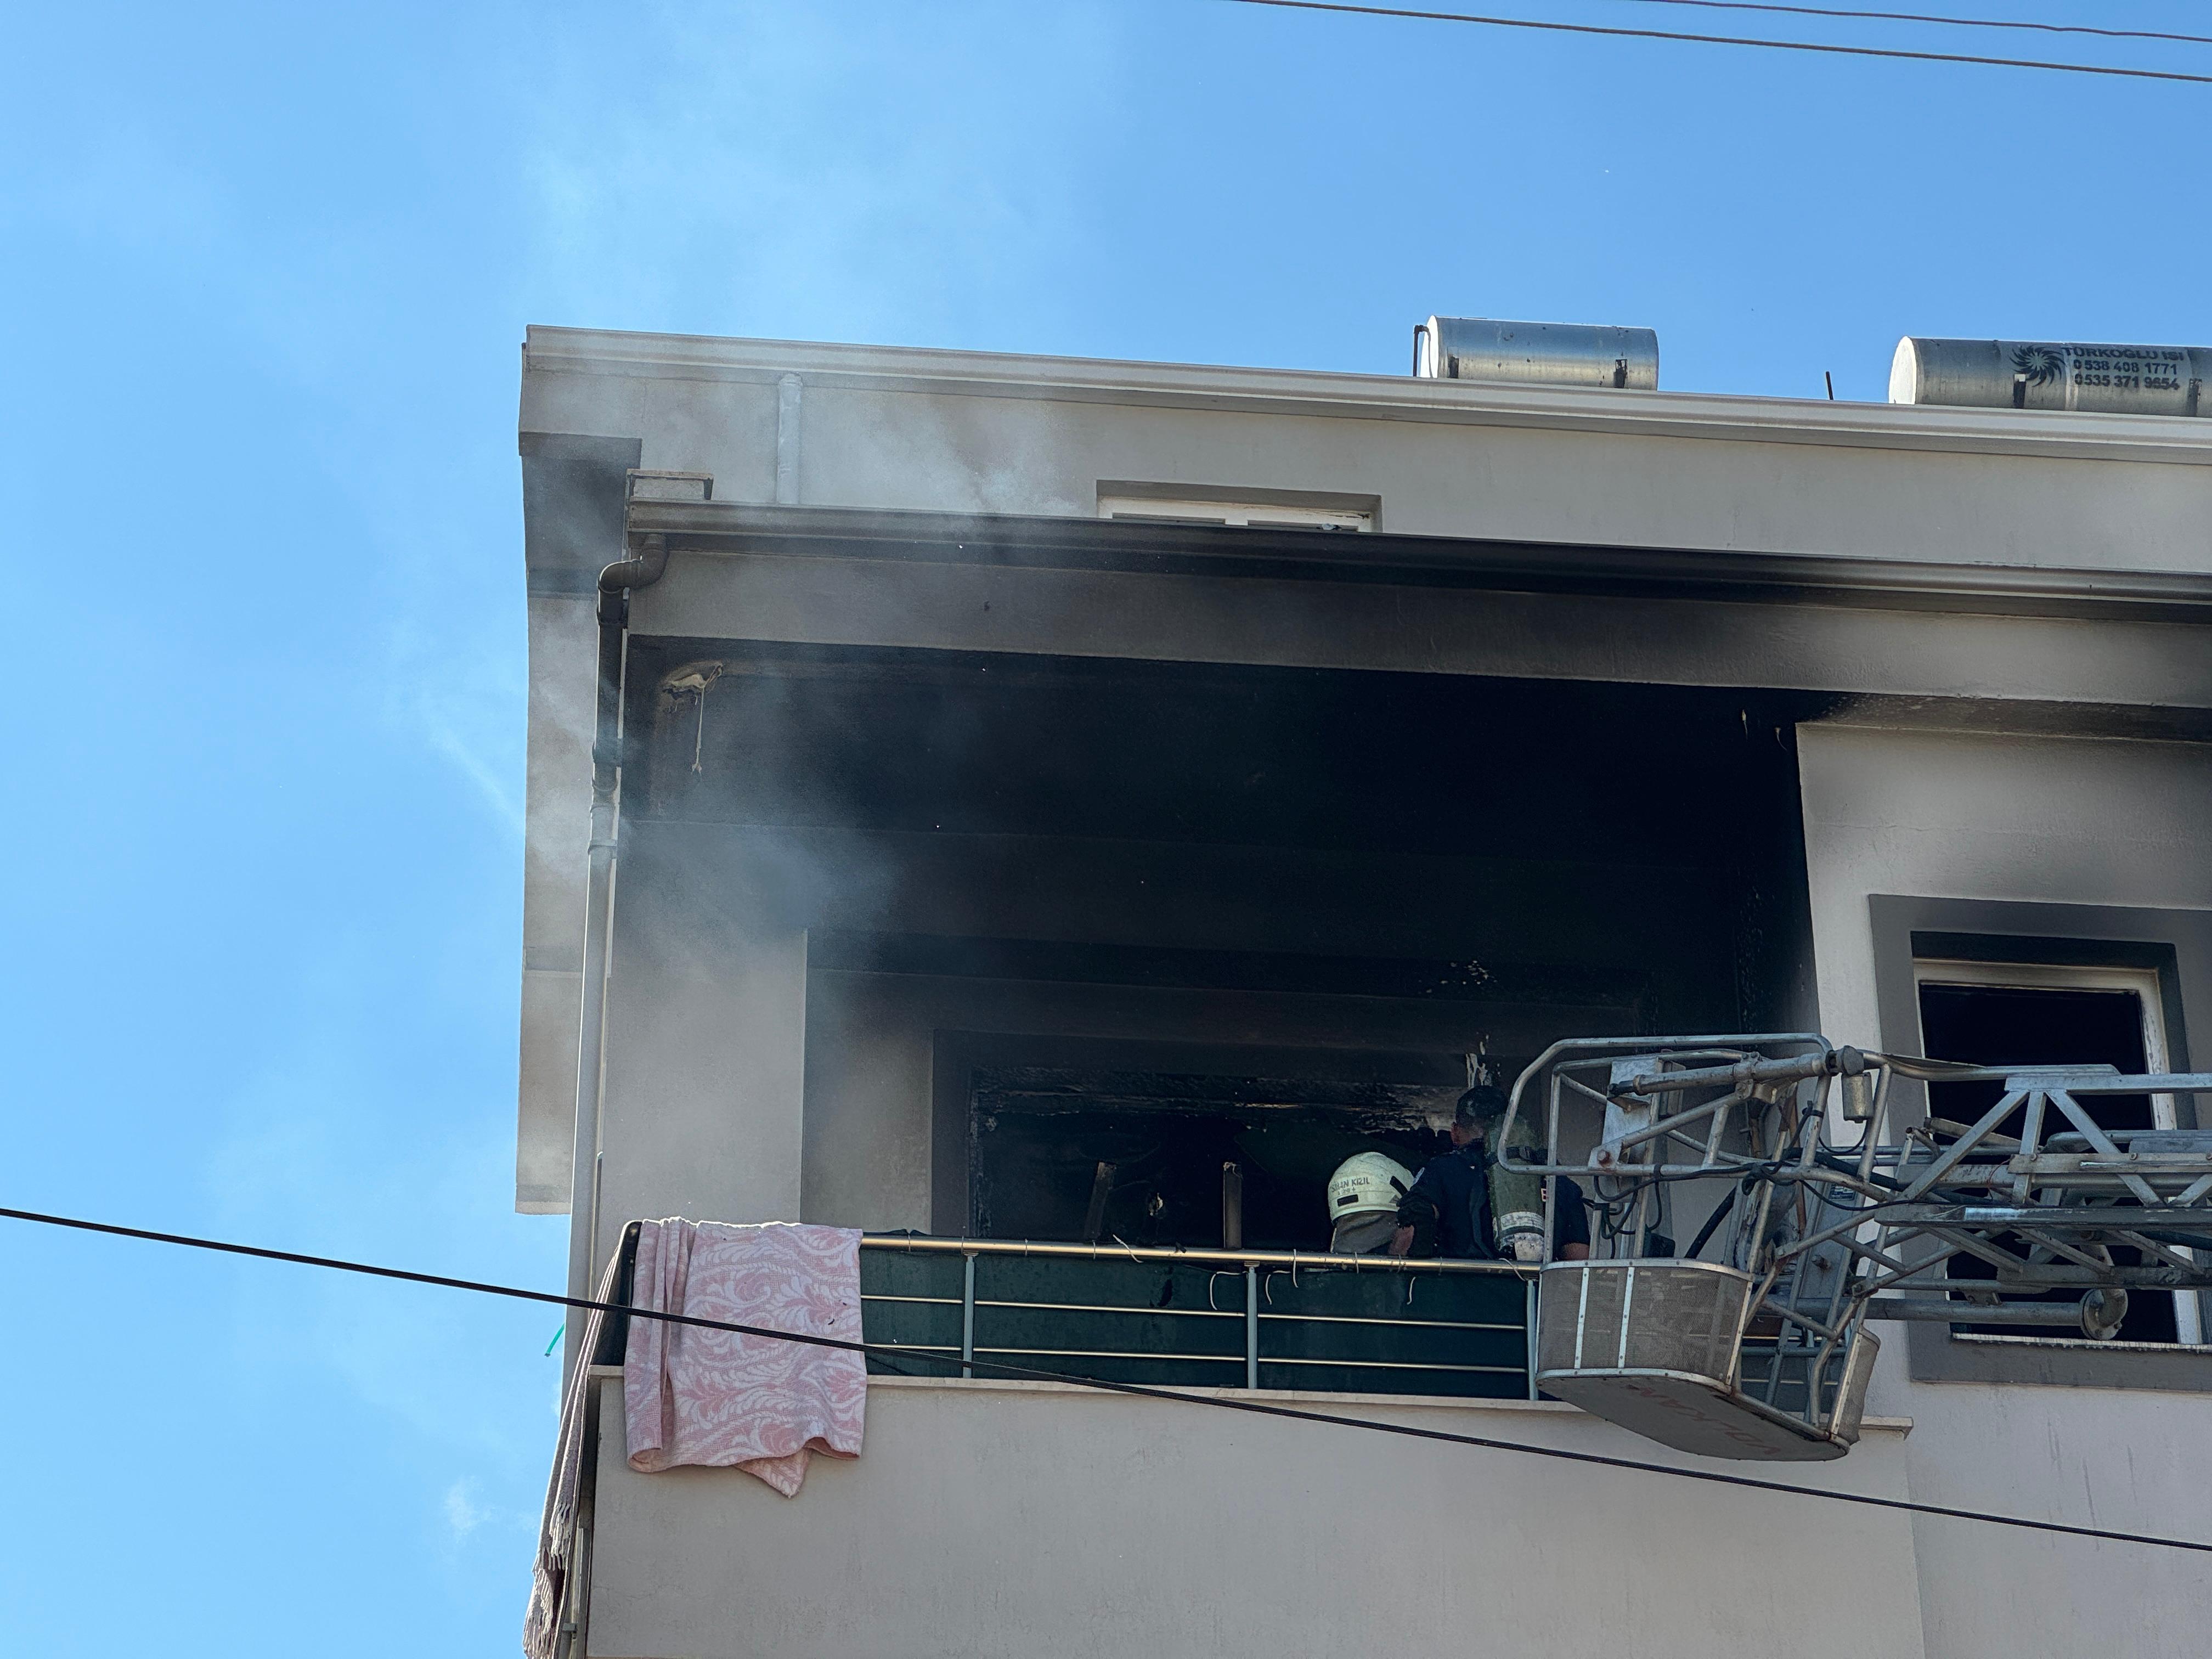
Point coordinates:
[[1724, 39], [894, 1352], [1926, 17]]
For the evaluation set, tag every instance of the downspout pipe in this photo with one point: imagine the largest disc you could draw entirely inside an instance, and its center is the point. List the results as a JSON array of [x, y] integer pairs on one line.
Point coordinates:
[[644, 563]]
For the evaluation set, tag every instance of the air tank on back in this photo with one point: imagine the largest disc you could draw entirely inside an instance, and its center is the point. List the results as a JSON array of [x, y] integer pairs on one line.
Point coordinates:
[[1536, 354], [2053, 375]]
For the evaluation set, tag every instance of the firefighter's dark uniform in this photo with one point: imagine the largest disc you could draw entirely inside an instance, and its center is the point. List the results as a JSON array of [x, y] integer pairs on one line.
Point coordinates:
[[1448, 1207]]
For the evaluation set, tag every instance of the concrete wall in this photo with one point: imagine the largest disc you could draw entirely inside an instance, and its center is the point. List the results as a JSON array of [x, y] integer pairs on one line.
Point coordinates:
[[1012, 1521], [2071, 821], [706, 1039], [563, 677], [970, 432], [2081, 823]]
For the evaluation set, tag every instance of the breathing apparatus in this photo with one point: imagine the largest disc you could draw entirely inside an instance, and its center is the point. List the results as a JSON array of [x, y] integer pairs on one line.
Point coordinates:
[[1516, 1196]]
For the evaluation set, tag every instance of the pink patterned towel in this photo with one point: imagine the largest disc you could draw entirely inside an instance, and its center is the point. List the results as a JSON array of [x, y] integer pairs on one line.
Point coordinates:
[[717, 1398], [695, 1396]]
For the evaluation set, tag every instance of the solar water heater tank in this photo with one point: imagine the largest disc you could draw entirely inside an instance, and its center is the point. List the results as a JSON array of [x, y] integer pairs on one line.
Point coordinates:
[[2052, 374], [1536, 354]]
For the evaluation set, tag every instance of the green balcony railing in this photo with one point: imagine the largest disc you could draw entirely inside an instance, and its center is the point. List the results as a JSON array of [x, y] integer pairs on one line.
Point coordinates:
[[1207, 1318]]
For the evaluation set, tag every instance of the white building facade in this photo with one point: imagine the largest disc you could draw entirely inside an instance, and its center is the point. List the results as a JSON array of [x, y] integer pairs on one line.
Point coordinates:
[[1027, 766]]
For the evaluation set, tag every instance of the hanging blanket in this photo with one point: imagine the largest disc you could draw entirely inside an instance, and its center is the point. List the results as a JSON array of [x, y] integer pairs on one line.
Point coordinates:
[[714, 1397]]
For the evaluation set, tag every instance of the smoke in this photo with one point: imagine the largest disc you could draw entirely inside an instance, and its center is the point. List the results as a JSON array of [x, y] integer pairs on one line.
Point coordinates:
[[461, 690], [463, 1514], [811, 172]]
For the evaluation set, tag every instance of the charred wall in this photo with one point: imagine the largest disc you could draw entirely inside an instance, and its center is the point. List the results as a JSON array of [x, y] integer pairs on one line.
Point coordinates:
[[1130, 867]]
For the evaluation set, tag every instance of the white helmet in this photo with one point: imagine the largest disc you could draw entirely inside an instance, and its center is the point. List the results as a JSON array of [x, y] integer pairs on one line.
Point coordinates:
[[1366, 1184]]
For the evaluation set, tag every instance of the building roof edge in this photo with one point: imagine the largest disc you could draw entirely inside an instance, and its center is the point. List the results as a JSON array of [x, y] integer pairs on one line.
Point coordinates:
[[2022, 433]]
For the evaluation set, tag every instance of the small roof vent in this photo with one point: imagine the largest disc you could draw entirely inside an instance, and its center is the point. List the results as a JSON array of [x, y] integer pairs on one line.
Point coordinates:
[[1536, 354]]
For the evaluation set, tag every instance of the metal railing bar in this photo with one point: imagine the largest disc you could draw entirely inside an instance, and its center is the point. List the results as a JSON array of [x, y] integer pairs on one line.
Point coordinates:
[[1236, 1313], [1192, 1255], [1398, 1324], [1251, 1322], [1582, 1088], [1108, 1307], [1226, 1313], [1529, 1333], [1121, 1353], [928, 1300], [1267, 1359], [967, 1315]]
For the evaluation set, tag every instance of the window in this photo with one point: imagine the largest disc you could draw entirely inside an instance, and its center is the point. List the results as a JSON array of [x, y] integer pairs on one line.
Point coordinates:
[[1997, 1014], [1284, 514]]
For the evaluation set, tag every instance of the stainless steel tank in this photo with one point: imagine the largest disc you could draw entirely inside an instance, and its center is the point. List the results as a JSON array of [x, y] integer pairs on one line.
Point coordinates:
[[1536, 354], [2110, 379]]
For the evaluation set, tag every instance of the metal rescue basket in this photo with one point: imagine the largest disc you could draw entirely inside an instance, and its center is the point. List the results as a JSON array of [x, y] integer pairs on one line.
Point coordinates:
[[1671, 1350], [2036, 1214]]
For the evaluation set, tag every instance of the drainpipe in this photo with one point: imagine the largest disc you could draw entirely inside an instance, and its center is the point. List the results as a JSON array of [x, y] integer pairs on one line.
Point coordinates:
[[646, 561]]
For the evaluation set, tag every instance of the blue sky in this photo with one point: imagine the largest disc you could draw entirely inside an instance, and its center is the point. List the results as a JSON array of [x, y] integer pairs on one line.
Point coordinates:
[[265, 275]]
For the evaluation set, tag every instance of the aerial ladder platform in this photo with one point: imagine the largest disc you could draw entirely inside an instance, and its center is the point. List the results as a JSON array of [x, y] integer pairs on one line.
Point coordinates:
[[1752, 1341]]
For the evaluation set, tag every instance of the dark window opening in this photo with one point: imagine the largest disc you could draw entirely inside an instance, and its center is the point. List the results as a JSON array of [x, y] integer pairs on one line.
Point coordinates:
[[1056, 1152], [2034, 1026]]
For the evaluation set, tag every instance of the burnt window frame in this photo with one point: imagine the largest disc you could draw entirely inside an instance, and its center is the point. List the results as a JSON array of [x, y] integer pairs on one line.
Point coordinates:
[[2174, 944]]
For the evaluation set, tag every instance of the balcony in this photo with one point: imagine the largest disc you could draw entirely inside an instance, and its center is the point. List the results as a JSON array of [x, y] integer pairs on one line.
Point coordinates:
[[1198, 1318], [1016, 1517], [1183, 1318]]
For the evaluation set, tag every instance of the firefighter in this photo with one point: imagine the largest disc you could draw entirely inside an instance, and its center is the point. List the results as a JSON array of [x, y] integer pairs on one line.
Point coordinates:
[[1463, 1205], [1363, 1195]]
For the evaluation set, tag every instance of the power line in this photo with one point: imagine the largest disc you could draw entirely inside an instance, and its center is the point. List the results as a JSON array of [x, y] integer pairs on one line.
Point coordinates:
[[1925, 17], [894, 1352], [1725, 39]]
